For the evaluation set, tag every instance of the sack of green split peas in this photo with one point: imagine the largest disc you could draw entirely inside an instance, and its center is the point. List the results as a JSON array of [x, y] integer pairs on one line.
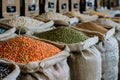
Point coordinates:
[[8, 70], [108, 46], [45, 60], [85, 59]]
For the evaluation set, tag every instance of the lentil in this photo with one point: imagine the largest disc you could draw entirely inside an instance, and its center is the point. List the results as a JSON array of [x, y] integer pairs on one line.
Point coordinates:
[[63, 34], [4, 70], [23, 49]]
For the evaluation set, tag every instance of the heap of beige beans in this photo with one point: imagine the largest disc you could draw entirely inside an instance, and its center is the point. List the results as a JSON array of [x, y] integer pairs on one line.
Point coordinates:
[[23, 22], [52, 16]]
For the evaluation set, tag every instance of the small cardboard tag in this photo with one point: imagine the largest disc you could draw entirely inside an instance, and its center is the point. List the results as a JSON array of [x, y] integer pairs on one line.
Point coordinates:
[[63, 6], [50, 5], [10, 8], [31, 8]]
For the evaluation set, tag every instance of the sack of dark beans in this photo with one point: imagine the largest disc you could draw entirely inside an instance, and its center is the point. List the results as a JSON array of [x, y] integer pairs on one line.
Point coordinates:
[[8, 70]]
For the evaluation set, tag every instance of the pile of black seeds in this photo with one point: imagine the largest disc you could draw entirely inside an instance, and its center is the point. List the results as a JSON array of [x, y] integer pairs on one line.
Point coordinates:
[[63, 34], [5, 70]]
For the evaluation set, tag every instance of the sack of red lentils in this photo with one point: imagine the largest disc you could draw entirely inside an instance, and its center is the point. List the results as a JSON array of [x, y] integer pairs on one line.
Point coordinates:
[[39, 59], [108, 46], [8, 70]]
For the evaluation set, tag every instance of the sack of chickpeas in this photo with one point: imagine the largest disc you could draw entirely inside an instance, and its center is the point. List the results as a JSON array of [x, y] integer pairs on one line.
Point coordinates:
[[108, 46], [37, 59], [8, 70]]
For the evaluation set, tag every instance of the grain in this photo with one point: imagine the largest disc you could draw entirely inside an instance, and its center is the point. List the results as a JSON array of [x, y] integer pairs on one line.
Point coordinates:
[[23, 49], [63, 34], [52, 16], [23, 22]]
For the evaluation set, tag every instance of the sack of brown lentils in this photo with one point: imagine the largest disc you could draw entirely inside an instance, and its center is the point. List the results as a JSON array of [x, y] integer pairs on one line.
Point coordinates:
[[8, 70], [42, 59], [81, 48], [108, 46]]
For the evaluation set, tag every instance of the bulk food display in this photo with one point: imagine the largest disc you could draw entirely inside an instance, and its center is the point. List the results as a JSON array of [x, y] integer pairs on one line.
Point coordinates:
[[59, 40]]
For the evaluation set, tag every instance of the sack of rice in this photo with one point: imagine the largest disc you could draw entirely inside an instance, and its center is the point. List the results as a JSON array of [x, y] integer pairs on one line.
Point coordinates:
[[10, 8], [63, 6], [36, 56], [8, 70], [31, 8], [24, 24], [108, 46], [81, 48], [58, 18]]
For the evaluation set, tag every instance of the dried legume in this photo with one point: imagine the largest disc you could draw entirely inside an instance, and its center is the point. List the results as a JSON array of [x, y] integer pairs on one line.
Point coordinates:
[[4, 70], [23, 49], [63, 34]]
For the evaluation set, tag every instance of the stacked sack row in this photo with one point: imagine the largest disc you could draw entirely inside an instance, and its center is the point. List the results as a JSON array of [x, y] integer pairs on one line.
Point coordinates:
[[53, 46]]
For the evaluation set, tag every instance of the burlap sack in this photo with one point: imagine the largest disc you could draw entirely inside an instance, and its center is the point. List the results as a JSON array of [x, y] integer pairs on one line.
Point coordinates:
[[16, 71], [23, 29], [8, 33], [112, 24], [85, 60], [108, 46], [52, 68]]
